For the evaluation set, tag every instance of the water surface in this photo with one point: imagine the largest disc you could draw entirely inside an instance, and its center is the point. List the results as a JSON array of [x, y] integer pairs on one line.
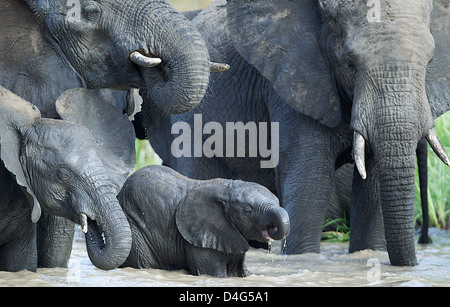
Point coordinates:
[[333, 267]]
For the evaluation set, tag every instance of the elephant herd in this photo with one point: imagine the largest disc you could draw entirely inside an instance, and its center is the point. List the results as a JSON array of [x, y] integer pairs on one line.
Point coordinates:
[[351, 95]]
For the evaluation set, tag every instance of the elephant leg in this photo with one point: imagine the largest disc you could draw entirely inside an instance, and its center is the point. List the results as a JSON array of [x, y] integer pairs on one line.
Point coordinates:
[[366, 219], [236, 266], [54, 241], [201, 261], [422, 158], [304, 177], [339, 207], [20, 253], [306, 193]]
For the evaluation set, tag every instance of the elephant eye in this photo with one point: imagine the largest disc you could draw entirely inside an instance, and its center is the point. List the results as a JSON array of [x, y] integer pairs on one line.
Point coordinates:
[[92, 11], [64, 174], [247, 211]]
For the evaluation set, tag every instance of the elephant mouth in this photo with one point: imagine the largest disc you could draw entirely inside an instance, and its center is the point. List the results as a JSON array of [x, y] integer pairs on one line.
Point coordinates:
[[84, 222], [359, 144], [269, 234], [275, 231], [145, 61], [152, 69], [265, 237], [175, 85], [92, 229]]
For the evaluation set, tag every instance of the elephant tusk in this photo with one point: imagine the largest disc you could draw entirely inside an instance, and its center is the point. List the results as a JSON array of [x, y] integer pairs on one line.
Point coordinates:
[[437, 147], [218, 67], [359, 145], [143, 60], [83, 222]]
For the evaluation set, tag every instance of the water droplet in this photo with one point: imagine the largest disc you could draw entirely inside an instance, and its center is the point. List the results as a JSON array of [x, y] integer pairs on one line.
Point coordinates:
[[283, 247]]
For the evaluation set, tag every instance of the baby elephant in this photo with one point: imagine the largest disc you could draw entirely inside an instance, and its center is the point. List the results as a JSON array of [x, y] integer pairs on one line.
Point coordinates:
[[200, 226]]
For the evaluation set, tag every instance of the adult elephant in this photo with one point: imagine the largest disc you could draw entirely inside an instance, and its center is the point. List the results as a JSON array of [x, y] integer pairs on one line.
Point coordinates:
[[338, 80], [48, 47]]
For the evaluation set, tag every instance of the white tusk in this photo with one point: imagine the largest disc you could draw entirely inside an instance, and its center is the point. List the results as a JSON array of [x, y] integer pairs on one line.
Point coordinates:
[[218, 67], [359, 146], [83, 222], [143, 60], [437, 146]]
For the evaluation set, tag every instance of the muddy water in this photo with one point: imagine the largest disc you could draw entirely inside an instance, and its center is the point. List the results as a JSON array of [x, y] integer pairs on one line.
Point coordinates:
[[333, 267]]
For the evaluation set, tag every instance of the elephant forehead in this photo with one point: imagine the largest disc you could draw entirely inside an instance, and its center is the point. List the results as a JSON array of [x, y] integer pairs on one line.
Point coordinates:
[[62, 133], [252, 193], [80, 156]]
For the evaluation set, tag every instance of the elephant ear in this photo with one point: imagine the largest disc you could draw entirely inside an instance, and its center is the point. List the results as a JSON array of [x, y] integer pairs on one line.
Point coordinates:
[[201, 219], [281, 39], [112, 129], [438, 74], [16, 115]]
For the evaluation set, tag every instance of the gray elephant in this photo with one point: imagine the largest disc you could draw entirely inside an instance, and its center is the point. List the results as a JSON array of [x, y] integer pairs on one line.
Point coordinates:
[[200, 226], [341, 84], [48, 47], [58, 166]]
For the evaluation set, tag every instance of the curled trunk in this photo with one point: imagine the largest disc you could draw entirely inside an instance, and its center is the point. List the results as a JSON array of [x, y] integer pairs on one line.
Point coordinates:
[[108, 238], [276, 221], [180, 82], [106, 228]]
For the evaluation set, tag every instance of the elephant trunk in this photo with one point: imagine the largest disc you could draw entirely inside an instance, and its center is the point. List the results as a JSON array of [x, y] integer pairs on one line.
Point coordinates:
[[179, 83], [392, 114], [395, 162], [276, 221], [108, 238]]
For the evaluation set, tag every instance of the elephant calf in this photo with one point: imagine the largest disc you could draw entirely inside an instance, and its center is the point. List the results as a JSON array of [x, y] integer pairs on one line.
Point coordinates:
[[202, 226]]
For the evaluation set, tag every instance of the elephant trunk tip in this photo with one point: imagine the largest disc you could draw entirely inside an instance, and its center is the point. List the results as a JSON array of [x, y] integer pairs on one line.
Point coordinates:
[[279, 225], [274, 233]]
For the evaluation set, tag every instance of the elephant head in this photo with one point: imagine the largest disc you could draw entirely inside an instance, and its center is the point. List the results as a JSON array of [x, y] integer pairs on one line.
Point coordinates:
[[62, 168], [223, 215], [379, 66], [102, 44]]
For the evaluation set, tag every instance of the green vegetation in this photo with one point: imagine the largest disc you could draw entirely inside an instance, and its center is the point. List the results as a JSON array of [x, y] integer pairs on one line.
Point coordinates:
[[341, 232], [438, 181], [145, 155]]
